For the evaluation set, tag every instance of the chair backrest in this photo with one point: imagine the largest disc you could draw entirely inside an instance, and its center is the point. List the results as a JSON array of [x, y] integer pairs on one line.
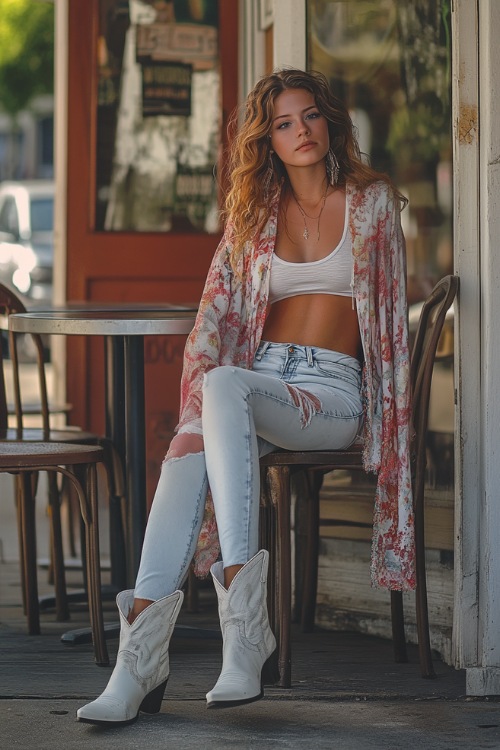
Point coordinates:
[[10, 304], [429, 330], [4, 416]]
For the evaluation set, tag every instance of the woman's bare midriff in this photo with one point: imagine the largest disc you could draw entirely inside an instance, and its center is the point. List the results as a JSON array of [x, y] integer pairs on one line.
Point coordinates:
[[324, 320]]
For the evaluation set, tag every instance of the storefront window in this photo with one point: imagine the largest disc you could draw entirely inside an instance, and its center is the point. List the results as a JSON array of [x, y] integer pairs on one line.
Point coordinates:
[[390, 61], [158, 116]]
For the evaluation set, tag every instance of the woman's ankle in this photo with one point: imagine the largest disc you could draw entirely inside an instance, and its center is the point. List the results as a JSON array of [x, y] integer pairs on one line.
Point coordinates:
[[230, 573], [138, 606]]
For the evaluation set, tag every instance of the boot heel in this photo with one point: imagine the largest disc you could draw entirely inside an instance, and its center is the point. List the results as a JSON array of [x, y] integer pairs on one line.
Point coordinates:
[[270, 671], [152, 702]]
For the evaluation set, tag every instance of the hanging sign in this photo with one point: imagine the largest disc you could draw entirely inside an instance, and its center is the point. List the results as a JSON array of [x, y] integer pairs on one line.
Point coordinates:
[[192, 43], [194, 191], [166, 89]]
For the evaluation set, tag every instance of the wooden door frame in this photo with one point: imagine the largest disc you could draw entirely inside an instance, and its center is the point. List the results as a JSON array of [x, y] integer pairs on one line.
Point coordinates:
[[90, 253], [82, 79]]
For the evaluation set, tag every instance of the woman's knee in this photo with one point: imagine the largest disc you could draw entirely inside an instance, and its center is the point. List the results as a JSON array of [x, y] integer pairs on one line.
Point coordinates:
[[185, 444], [220, 384]]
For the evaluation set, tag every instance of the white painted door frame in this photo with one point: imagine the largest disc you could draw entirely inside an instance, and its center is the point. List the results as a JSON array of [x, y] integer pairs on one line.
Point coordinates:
[[251, 47], [289, 45], [288, 18], [465, 99], [477, 232]]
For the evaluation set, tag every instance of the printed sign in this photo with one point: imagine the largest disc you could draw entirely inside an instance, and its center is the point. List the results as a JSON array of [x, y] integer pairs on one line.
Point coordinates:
[[166, 89], [193, 185], [196, 44]]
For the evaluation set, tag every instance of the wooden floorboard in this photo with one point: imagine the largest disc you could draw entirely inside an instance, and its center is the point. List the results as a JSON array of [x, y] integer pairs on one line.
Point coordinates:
[[326, 665]]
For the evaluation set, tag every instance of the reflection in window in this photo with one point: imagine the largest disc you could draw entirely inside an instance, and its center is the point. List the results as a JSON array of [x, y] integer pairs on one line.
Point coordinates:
[[389, 60], [158, 116], [9, 219], [42, 214]]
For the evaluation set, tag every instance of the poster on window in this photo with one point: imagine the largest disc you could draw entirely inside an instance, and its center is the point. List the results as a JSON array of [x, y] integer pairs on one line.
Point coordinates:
[[166, 89], [196, 44]]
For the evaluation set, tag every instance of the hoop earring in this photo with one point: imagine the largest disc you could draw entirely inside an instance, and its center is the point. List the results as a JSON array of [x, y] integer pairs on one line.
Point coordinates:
[[332, 168], [268, 176]]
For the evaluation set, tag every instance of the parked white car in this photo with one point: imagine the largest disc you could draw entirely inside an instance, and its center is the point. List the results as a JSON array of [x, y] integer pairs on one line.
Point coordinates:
[[27, 238]]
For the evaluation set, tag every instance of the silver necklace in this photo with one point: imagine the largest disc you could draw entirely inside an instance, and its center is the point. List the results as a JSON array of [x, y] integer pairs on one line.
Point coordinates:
[[305, 233]]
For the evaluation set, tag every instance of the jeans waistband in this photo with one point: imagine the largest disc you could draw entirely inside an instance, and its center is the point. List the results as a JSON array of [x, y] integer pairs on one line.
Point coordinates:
[[309, 353]]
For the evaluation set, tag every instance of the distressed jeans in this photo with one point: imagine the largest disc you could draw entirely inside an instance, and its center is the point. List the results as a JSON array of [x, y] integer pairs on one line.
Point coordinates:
[[295, 397]]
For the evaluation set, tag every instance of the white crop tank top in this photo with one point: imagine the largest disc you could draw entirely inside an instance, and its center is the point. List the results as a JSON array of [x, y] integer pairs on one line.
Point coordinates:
[[329, 275]]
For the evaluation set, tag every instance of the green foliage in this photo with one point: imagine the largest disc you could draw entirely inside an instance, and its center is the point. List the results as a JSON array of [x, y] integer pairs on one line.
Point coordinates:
[[419, 133], [26, 52]]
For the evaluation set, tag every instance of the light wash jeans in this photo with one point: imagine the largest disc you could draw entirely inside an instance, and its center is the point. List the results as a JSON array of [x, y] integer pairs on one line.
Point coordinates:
[[295, 397]]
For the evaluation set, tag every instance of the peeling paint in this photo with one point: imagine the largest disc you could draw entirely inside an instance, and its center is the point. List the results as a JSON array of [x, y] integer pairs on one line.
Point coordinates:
[[468, 124]]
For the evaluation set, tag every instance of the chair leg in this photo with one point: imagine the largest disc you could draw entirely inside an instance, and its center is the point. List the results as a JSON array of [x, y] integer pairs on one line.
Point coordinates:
[[398, 628], [424, 642], [18, 489], [271, 673], [279, 485], [89, 508], [67, 501], [94, 572], [117, 513], [50, 566], [29, 552], [62, 608], [80, 473], [310, 584]]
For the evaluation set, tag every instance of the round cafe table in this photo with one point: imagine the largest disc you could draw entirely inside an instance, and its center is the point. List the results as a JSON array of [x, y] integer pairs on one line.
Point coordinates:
[[123, 327]]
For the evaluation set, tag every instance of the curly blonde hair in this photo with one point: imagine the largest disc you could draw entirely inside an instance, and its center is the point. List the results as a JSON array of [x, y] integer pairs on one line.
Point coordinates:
[[247, 205]]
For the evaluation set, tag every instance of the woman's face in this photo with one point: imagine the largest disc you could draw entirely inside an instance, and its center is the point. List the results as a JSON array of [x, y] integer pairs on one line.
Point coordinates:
[[299, 132]]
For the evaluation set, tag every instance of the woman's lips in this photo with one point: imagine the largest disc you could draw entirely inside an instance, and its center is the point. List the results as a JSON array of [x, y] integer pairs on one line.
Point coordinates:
[[307, 145]]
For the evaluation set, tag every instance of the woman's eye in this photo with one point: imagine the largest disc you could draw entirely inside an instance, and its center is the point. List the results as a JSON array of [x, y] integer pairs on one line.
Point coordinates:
[[283, 125], [313, 115]]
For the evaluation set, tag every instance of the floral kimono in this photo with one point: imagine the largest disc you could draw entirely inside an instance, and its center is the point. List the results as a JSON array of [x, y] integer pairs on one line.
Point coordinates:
[[228, 329]]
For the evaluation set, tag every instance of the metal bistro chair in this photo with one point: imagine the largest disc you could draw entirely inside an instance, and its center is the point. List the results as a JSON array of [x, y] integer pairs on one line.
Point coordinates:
[[9, 304], [277, 468], [27, 459]]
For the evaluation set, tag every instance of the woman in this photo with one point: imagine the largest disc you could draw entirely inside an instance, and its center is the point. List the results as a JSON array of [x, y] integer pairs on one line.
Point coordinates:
[[308, 280]]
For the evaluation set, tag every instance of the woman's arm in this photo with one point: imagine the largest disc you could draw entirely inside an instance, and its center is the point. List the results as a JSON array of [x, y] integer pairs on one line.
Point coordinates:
[[203, 346]]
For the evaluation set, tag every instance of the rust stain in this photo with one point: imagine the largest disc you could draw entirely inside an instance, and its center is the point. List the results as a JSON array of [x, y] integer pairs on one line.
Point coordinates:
[[467, 124]]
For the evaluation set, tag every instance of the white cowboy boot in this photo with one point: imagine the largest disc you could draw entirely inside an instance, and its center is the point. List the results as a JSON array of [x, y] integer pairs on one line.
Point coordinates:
[[247, 637], [142, 665]]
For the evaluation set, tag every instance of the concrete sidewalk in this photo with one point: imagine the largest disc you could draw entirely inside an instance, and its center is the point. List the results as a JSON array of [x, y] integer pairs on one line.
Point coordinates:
[[347, 693], [267, 724]]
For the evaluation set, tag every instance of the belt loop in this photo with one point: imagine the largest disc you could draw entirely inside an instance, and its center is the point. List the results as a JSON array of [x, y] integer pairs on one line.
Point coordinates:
[[310, 361], [261, 351]]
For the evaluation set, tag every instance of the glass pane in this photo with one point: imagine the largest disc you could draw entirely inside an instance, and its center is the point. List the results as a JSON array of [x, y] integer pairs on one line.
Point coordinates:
[[42, 214], [390, 60], [158, 116]]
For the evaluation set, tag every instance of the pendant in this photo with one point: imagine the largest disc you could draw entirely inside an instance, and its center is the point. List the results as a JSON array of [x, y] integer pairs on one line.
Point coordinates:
[[306, 233]]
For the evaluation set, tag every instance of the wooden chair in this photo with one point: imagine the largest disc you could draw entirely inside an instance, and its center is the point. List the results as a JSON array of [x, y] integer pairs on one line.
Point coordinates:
[[27, 459], [9, 304], [277, 468]]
